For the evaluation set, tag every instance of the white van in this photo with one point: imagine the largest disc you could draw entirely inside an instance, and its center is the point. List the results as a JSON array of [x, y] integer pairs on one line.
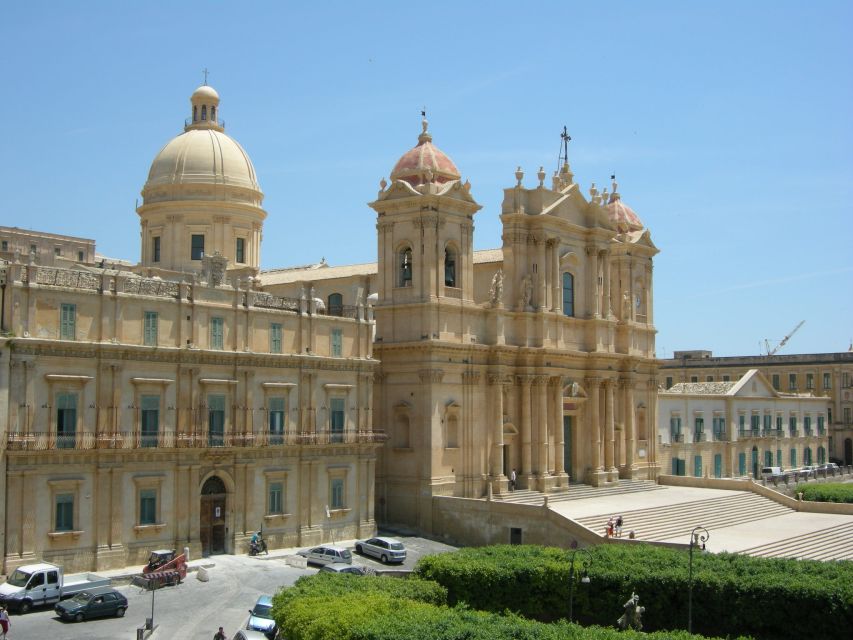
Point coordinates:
[[769, 472]]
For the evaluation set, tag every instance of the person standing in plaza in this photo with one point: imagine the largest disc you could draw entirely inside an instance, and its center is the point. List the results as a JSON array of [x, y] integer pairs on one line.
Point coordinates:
[[619, 526], [220, 635], [5, 623], [512, 479]]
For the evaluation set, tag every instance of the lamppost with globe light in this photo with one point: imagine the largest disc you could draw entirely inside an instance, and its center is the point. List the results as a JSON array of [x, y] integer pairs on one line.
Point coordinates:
[[584, 578], [698, 537]]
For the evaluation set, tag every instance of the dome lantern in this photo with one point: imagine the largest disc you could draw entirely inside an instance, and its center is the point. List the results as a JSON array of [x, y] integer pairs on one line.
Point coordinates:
[[204, 106]]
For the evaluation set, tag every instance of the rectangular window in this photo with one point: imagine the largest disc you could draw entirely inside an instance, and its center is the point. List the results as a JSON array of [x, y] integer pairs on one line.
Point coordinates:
[[726, 379], [792, 425], [792, 381], [5, 245], [719, 428], [336, 414], [820, 425], [779, 423], [741, 419], [68, 322], [34, 249], [755, 421], [718, 465], [275, 337], [768, 422], [155, 249], [79, 256], [64, 512], [276, 420], [337, 343], [275, 504], [699, 430], [807, 425], [697, 466], [568, 294], [741, 464], [846, 415], [678, 466], [217, 333], [241, 251], [809, 381], [669, 382], [216, 420], [776, 381], [827, 381], [149, 415], [57, 251], [150, 326], [709, 378], [66, 420], [793, 458], [336, 499], [694, 378], [148, 506], [197, 247]]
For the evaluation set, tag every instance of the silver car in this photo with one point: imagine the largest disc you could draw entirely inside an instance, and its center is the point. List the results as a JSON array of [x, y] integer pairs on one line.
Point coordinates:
[[384, 549], [325, 554]]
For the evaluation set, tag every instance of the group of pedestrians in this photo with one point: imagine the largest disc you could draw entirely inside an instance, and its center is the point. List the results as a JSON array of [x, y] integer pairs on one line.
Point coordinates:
[[614, 527]]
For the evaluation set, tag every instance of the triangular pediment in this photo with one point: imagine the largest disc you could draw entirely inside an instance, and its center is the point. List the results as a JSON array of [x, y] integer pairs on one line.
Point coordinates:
[[753, 384]]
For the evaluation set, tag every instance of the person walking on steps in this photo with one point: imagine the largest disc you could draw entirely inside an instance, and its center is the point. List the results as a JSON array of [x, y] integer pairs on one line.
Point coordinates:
[[619, 526], [220, 635]]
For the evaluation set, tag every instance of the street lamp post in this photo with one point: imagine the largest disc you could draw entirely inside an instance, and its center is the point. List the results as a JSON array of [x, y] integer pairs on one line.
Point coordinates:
[[698, 537], [584, 578]]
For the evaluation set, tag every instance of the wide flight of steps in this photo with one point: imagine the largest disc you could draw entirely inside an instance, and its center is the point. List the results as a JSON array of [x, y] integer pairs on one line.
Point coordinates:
[[577, 492], [832, 543], [677, 520]]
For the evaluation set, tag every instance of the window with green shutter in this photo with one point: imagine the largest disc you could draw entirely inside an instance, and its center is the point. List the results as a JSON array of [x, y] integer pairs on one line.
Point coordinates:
[[149, 414], [276, 420], [216, 420], [275, 503], [68, 322], [148, 506], [697, 466], [741, 464], [718, 465], [217, 333], [793, 458], [150, 328], [64, 512], [336, 415], [337, 343], [66, 420], [336, 500], [275, 337]]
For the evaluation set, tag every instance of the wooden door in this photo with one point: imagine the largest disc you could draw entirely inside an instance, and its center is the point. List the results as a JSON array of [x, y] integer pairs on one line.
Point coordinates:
[[212, 517]]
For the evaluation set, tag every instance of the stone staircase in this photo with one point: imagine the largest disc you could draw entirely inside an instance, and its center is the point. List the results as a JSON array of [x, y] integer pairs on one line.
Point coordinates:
[[677, 520], [832, 543], [576, 492]]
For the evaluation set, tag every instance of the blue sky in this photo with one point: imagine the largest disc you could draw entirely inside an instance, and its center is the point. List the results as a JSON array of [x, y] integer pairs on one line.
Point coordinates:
[[728, 125]]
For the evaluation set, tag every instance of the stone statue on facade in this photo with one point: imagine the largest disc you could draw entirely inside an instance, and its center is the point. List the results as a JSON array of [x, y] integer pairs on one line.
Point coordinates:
[[214, 268], [526, 293], [496, 292], [631, 618]]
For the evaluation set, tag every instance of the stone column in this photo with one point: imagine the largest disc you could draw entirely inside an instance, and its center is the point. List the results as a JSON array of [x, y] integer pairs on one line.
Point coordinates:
[[610, 438], [526, 463], [542, 427], [542, 269], [593, 384], [496, 453], [557, 425], [557, 279], [606, 309], [630, 431], [594, 298]]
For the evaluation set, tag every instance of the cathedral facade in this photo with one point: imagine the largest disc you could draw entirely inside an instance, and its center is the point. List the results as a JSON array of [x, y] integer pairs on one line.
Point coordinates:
[[191, 398]]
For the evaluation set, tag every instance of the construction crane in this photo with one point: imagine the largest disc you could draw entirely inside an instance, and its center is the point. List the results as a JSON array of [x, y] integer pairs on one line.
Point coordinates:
[[784, 341]]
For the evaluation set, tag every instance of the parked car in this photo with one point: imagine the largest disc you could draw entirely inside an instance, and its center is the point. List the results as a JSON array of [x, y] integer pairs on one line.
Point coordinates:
[[805, 473], [325, 554], [94, 603], [831, 467], [384, 549], [344, 568], [249, 634], [770, 472], [260, 618]]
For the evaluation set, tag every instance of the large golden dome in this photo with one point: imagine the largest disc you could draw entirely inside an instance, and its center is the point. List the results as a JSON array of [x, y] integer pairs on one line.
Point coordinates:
[[202, 163]]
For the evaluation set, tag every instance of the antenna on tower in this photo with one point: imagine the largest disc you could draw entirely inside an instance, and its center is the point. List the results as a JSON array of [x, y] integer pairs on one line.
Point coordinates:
[[563, 158]]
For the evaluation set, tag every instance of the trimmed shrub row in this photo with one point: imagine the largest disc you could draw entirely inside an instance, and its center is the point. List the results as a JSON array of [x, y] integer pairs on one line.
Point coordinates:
[[765, 598], [830, 492], [370, 608]]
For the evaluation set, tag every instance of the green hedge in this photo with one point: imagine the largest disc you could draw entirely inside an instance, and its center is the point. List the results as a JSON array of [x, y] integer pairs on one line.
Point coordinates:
[[765, 598], [365, 614], [830, 492]]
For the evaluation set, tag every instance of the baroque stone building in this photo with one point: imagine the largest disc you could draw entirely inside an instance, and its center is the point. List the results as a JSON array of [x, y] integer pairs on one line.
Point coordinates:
[[734, 428], [829, 375], [191, 398]]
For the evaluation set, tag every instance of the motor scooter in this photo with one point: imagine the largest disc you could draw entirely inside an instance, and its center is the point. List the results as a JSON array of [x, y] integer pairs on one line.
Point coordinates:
[[256, 547]]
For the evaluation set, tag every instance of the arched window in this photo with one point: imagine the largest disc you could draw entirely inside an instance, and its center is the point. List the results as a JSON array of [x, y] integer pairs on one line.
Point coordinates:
[[213, 113], [568, 294], [405, 267], [336, 304], [449, 267], [204, 112], [195, 114]]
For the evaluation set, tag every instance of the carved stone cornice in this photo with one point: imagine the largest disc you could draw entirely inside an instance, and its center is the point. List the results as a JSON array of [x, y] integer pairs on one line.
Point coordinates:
[[593, 382], [495, 378], [426, 221], [555, 381], [470, 377], [384, 226], [525, 379], [540, 380], [431, 375]]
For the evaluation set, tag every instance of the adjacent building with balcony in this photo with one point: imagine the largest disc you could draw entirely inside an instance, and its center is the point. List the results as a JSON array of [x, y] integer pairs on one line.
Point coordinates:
[[733, 428], [829, 375]]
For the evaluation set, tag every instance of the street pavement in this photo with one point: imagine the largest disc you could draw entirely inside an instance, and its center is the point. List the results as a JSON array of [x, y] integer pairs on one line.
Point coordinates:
[[194, 610]]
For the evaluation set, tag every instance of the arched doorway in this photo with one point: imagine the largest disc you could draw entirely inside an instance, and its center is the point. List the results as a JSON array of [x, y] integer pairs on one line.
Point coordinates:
[[212, 526]]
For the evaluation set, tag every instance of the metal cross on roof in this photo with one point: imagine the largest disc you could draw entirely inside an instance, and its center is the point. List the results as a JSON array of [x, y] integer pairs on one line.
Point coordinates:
[[205, 71]]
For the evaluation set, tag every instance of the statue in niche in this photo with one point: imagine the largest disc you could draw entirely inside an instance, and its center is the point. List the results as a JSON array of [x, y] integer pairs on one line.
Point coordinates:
[[626, 306], [496, 292], [526, 293], [631, 619]]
